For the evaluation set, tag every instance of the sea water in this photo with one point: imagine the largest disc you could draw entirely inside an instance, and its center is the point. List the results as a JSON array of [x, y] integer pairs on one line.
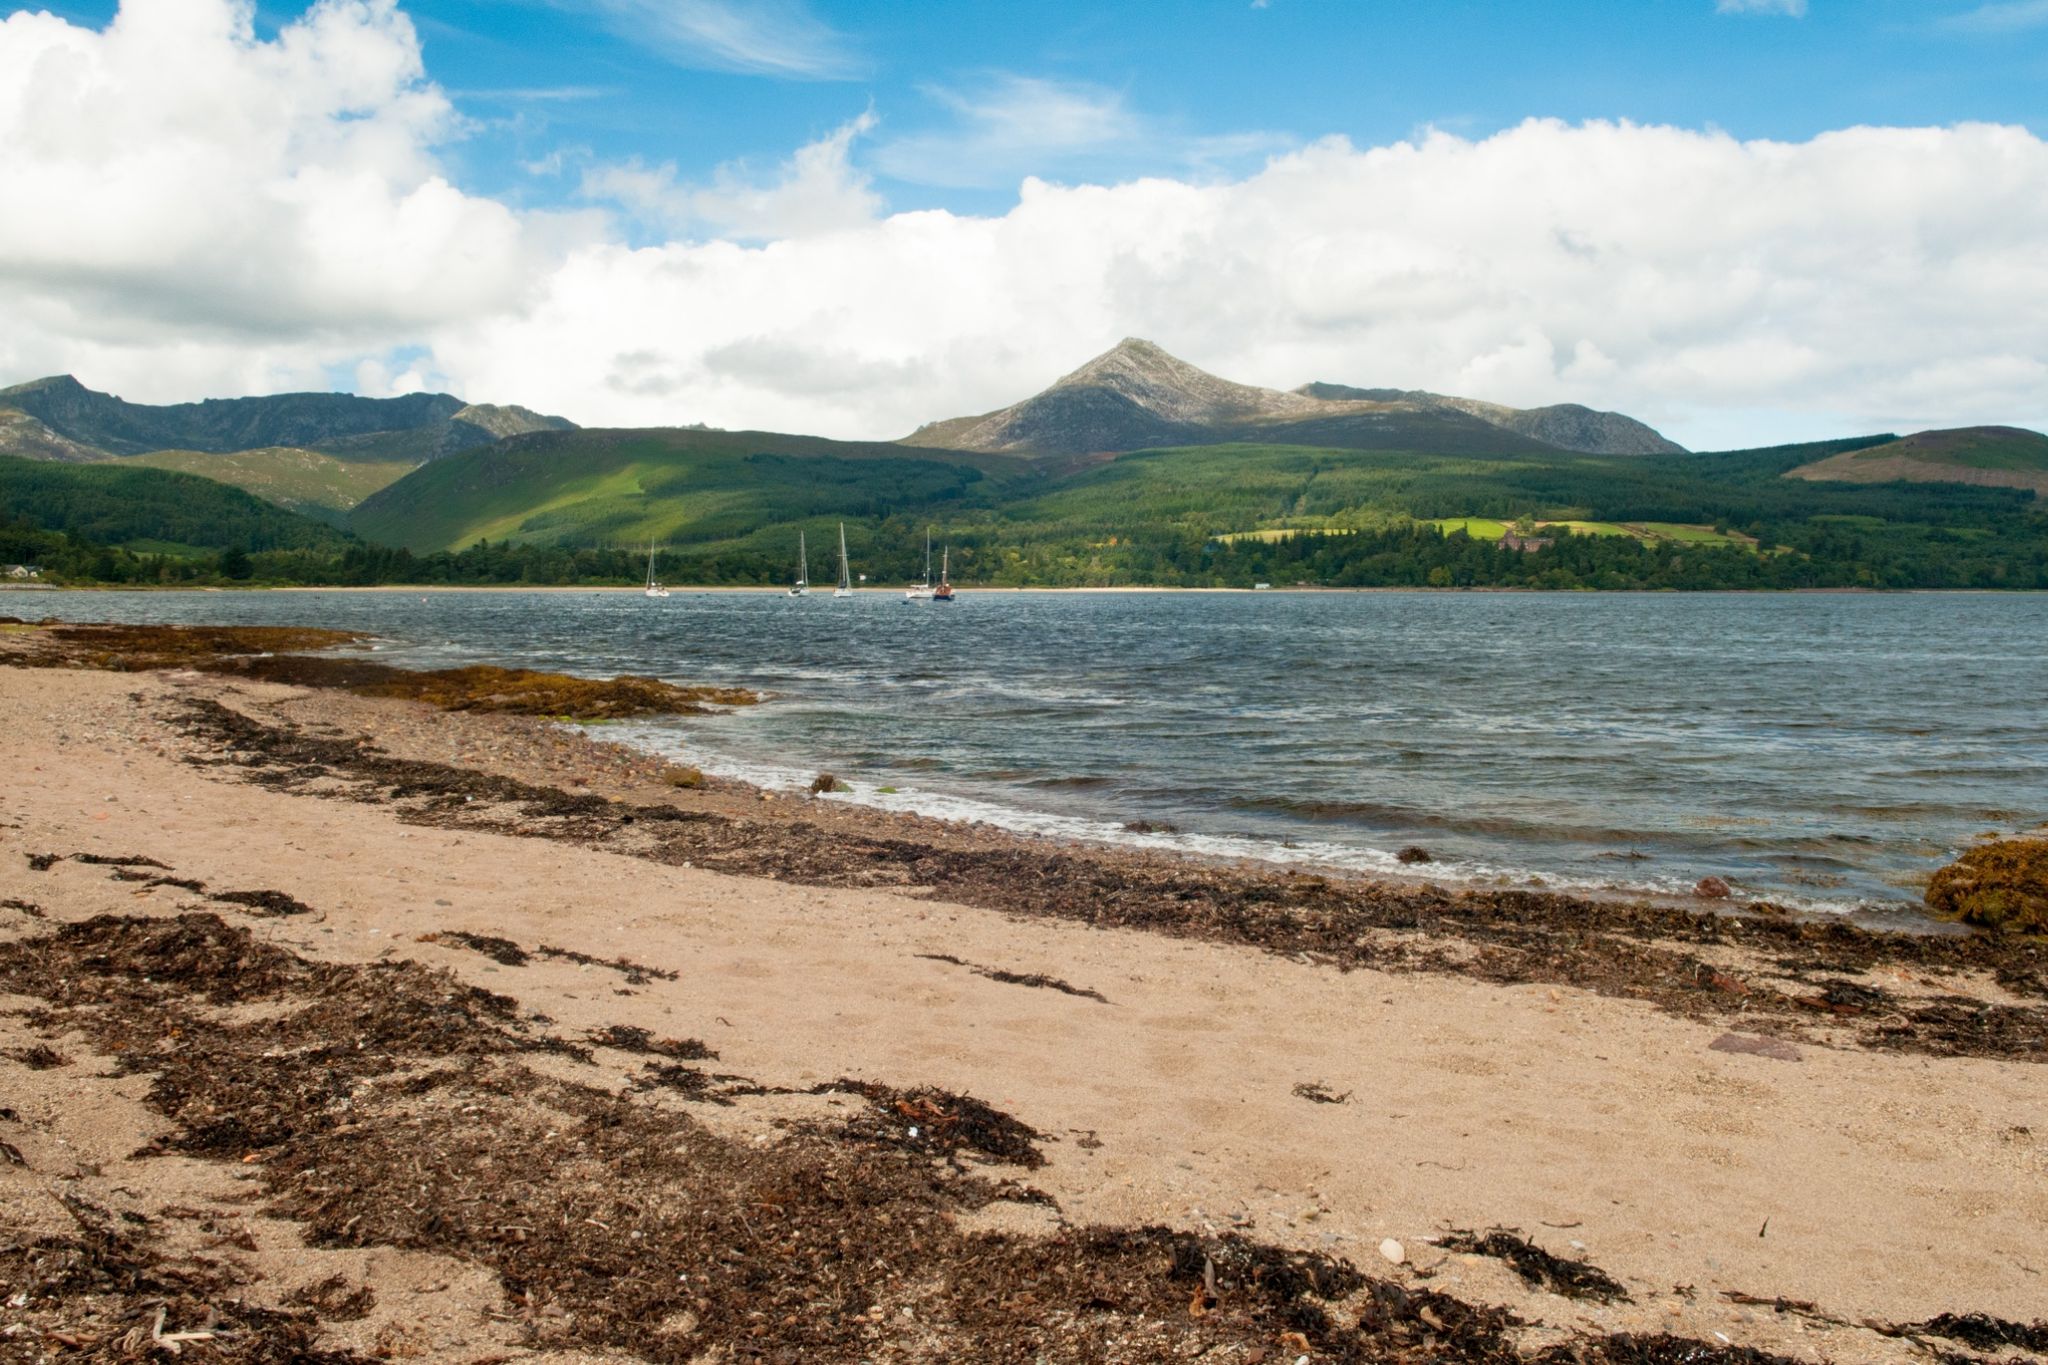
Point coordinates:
[[1822, 750]]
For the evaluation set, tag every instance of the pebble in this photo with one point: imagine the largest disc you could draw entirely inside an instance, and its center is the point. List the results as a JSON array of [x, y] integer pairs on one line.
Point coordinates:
[[1393, 1251]]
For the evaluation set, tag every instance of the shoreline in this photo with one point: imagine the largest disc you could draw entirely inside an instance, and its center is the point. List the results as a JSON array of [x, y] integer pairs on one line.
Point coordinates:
[[970, 590], [1262, 1065]]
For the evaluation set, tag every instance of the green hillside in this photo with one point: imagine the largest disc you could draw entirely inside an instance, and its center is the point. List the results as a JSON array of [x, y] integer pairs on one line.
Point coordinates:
[[708, 490], [309, 481], [156, 510], [1992, 457]]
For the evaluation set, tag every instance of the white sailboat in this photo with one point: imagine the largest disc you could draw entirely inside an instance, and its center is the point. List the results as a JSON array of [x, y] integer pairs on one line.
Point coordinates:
[[803, 569], [845, 588], [922, 592], [654, 588]]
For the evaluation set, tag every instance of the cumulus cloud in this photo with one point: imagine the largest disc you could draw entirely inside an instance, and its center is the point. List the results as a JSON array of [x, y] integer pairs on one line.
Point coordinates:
[[184, 199], [214, 214], [1735, 291]]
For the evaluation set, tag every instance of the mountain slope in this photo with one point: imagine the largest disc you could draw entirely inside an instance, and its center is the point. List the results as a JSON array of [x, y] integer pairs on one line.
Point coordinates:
[[122, 504], [1989, 457], [308, 481], [708, 489], [23, 435], [1568, 426], [418, 426], [1137, 397]]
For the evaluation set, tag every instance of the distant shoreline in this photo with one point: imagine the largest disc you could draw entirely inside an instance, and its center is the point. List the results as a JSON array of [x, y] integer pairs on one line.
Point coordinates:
[[968, 591]]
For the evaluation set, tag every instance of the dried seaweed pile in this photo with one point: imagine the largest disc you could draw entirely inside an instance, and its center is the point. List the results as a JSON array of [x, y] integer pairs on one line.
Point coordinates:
[[1535, 1266], [1644, 952], [387, 1104], [279, 654]]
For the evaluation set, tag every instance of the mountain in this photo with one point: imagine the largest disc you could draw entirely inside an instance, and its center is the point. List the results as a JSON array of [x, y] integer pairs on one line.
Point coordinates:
[[1138, 397], [1568, 426], [417, 427], [150, 509], [1990, 457]]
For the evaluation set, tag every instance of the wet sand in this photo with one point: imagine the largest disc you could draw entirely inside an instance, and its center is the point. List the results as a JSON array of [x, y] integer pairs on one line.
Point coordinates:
[[1239, 1061]]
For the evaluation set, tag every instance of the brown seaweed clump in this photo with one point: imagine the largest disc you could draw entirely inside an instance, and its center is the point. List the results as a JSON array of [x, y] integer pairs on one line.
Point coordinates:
[[281, 654], [483, 687], [2000, 885]]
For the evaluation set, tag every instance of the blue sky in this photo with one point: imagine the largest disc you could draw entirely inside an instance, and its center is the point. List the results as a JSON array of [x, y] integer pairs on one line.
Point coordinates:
[[1745, 221]]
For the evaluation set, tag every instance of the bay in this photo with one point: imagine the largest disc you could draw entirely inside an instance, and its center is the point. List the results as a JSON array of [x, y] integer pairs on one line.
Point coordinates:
[[1824, 750]]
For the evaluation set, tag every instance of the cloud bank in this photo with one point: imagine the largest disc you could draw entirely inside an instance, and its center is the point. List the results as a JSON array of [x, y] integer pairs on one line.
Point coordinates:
[[213, 214]]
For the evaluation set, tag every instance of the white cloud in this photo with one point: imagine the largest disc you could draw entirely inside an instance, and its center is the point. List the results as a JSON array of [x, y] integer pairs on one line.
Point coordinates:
[[1006, 125], [1795, 8], [186, 201], [2001, 16], [817, 190], [209, 214], [1736, 292], [759, 37]]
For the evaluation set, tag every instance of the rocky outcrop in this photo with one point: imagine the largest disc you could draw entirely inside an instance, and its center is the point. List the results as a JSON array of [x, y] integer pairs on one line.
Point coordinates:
[[1999, 885]]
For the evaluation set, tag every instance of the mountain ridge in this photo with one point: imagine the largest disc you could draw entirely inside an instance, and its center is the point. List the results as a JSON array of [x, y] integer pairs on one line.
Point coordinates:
[[72, 417], [1139, 396]]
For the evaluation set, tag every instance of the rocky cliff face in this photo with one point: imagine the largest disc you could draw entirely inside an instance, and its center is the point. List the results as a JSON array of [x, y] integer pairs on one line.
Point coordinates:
[[417, 426]]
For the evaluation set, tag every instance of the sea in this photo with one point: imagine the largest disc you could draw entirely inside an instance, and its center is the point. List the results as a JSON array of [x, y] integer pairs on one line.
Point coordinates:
[[1825, 751]]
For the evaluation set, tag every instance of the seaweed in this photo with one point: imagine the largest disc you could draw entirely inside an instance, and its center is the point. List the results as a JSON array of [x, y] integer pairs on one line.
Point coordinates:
[[1982, 1331], [1535, 1266], [1633, 951], [270, 904], [1035, 980], [628, 1038], [1318, 1093], [390, 1107], [502, 951]]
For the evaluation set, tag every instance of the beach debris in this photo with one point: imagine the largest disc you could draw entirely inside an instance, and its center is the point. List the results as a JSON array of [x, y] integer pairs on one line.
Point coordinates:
[[502, 951], [1755, 1045], [1414, 854], [824, 784], [1535, 1266], [1035, 980], [937, 1122], [629, 1038], [29, 908], [1712, 889], [271, 904], [1150, 827], [1318, 1093], [2001, 885], [334, 1300], [1979, 1330], [1393, 1252], [40, 1057]]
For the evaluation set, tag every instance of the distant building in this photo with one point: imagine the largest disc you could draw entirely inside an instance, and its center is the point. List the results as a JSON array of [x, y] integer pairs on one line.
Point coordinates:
[[22, 571], [1514, 540]]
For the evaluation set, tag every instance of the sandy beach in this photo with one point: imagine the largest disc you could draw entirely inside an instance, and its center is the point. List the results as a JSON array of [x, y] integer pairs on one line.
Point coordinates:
[[359, 1027]]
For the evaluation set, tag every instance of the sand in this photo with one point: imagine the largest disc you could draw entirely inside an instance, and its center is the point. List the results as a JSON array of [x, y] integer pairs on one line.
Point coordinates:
[[1868, 1184]]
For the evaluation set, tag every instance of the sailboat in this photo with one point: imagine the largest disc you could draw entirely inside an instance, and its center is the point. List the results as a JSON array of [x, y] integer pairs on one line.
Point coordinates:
[[944, 592], [803, 569], [654, 588], [845, 588], [922, 592]]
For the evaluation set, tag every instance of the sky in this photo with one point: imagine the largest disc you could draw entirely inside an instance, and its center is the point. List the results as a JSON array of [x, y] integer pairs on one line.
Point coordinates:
[[1745, 221]]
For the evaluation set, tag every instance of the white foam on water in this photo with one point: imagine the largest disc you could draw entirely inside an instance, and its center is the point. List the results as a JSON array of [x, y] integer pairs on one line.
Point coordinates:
[[950, 806]]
